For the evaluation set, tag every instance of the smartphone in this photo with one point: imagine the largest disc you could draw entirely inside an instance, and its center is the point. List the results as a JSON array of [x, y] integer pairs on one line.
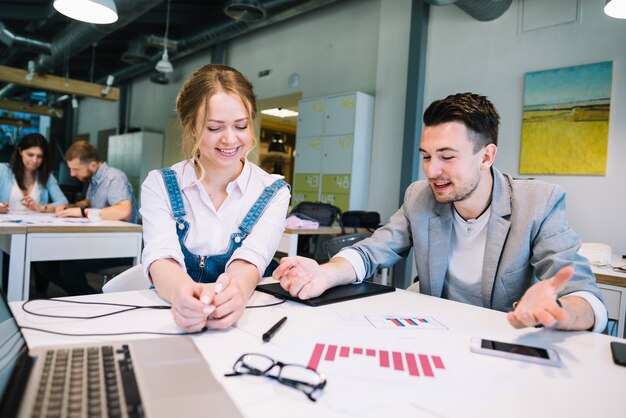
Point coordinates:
[[520, 352], [619, 353]]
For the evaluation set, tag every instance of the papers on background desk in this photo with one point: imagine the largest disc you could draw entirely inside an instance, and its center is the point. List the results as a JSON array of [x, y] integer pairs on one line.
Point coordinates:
[[36, 218]]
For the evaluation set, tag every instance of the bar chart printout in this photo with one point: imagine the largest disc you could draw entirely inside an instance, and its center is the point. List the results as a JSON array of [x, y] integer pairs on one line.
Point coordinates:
[[413, 364], [404, 322]]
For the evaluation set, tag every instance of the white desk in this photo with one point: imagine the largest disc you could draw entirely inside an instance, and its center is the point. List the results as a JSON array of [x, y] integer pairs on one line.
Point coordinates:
[[612, 284], [42, 241], [588, 384]]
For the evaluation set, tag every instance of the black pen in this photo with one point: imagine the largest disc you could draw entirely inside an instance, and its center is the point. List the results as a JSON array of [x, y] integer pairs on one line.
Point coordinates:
[[270, 332]]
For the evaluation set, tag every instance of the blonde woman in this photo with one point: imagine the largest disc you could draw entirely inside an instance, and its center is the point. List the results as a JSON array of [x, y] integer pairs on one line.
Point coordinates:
[[212, 222]]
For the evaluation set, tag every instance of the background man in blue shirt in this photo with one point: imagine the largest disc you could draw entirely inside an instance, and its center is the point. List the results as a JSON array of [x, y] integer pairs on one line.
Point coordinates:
[[109, 197]]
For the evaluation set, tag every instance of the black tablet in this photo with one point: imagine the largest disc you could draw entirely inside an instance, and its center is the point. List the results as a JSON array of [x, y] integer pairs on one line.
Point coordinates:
[[332, 295]]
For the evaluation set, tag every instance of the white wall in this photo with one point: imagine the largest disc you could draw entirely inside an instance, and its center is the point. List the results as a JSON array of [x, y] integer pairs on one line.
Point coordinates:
[[96, 115], [491, 58], [334, 50]]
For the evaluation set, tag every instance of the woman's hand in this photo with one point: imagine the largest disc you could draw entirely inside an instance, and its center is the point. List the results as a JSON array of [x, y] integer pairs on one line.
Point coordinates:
[[4, 207], [30, 204], [192, 303], [230, 301]]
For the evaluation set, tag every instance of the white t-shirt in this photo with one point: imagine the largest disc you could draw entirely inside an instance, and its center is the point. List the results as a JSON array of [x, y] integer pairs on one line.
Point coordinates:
[[16, 197]]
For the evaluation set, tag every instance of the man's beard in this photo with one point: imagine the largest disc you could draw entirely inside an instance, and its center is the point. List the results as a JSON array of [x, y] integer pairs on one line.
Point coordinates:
[[458, 195]]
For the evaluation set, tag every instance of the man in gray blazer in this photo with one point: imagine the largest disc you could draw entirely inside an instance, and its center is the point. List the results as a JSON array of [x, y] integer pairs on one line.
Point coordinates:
[[479, 236]]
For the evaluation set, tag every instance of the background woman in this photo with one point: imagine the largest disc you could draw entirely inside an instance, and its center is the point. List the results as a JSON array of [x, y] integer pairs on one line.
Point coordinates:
[[26, 183], [214, 217]]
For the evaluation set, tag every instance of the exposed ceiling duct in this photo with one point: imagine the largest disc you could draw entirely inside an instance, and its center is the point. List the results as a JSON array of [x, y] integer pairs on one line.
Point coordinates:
[[26, 43], [483, 10]]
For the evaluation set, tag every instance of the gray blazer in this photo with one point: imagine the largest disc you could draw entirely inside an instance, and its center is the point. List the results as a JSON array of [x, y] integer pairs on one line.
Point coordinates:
[[528, 239]]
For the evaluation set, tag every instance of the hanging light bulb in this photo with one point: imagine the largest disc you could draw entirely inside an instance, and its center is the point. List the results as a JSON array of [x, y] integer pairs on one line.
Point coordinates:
[[164, 65]]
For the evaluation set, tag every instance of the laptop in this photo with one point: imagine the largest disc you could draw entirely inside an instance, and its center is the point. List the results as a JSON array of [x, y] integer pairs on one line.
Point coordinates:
[[332, 295], [161, 377]]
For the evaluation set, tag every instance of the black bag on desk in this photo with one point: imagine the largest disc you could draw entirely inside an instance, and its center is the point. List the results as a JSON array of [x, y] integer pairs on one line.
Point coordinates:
[[361, 219], [324, 213]]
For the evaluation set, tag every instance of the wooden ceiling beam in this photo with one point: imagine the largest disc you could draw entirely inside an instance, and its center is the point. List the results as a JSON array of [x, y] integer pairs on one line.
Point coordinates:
[[22, 123], [55, 112], [58, 84]]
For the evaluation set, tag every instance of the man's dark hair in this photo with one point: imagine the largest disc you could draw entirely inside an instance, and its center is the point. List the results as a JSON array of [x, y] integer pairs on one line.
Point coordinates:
[[476, 112]]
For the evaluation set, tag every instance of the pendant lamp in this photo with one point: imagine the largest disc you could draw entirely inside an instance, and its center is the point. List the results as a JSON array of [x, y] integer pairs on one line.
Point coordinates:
[[164, 65], [90, 11]]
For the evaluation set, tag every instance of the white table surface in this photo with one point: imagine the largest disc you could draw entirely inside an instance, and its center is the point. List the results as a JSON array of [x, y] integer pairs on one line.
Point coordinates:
[[588, 384], [42, 237]]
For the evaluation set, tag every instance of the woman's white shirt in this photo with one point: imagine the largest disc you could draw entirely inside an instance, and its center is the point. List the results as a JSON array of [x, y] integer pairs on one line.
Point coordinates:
[[16, 196], [210, 229]]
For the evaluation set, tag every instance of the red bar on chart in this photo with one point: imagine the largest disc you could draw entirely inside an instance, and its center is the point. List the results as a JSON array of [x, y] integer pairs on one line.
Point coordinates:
[[384, 358], [357, 350], [395, 321], [330, 353], [411, 364], [344, 351], [314, 361], [428, 371], [397, 360], [437, 362], [370, 352], [410, 321]]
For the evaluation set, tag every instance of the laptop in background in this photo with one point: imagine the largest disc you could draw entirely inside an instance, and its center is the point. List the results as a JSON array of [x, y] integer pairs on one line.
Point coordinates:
[[160, 377]]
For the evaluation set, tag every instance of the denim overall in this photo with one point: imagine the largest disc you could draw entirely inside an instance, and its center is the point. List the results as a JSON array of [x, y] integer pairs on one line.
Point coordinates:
[[207, 268]]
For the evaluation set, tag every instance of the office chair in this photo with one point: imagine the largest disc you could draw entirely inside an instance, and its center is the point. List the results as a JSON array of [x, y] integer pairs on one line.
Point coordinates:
[[131, 279], [334, 245]]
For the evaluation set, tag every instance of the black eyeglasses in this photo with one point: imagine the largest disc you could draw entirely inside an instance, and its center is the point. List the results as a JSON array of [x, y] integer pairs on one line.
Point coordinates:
[[307, 380]]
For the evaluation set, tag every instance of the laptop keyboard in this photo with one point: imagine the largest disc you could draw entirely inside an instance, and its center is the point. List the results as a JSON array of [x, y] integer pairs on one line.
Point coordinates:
[[88, 382]]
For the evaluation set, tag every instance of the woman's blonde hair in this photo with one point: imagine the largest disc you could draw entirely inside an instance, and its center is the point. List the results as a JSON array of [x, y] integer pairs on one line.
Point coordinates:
[[198, 89]]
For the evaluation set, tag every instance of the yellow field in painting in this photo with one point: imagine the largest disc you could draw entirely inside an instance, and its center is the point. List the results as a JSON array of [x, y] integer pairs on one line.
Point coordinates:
[[568, 141]]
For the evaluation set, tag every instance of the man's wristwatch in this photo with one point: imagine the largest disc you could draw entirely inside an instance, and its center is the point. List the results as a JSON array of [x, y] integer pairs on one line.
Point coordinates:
[[82, 212]]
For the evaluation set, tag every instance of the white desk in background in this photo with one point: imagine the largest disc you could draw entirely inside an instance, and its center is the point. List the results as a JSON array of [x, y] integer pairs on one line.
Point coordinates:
[[452, 381], [43, 237], [613, 287]]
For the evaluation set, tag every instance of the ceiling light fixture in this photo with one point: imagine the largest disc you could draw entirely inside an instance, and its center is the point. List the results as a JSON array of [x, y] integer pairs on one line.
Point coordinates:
[[615, 8], [245, 10], [279, 112], [90, 11], [31, 70], [164, 65], [107, 89]]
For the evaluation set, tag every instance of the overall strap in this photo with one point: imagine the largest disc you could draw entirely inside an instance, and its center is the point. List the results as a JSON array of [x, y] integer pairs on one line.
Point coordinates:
[[173, 191], [259, 206]]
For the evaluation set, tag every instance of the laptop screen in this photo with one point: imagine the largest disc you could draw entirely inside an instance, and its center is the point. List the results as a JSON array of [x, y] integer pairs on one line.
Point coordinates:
[[12, 343]]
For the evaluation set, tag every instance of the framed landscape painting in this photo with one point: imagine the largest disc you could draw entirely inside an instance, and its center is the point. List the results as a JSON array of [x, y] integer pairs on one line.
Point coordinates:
[[565, 126]]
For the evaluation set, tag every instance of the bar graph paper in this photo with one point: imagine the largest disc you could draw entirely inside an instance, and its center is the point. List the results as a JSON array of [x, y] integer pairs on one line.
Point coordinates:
[[404, 322], [413, 364]]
